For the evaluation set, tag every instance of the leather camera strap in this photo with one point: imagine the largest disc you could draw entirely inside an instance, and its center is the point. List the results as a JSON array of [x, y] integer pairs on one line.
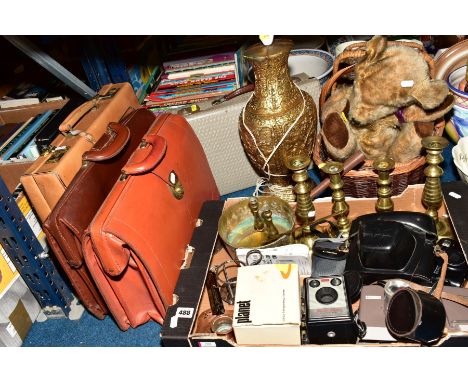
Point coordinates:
[[438, 291]]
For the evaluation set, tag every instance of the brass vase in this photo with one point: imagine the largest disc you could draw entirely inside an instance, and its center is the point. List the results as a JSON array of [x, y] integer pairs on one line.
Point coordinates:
[[275, 106]]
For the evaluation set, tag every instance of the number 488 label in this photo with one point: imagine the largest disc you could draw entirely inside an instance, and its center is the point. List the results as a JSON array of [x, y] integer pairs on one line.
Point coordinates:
[[182, 313]]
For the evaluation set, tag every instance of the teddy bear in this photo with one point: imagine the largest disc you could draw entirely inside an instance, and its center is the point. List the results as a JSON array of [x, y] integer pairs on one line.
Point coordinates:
[[390, 106]]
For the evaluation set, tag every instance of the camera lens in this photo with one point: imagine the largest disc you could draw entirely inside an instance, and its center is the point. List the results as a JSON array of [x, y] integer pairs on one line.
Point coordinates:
[[326, 295], [314, 283], [335, 281]]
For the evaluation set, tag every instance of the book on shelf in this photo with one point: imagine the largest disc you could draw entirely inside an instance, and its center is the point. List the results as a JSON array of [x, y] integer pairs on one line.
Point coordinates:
[[7, 103], [184, 100], [199, 72], [193, 81], [196, 79], [182, 91], [192, 95], [199, 62]]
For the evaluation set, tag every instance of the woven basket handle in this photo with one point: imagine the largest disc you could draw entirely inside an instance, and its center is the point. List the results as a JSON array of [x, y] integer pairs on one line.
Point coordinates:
[[357, 51], [331, 82]]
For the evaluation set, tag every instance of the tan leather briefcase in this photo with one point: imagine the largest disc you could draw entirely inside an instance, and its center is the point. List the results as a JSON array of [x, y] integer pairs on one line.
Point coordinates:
[[48, 177]]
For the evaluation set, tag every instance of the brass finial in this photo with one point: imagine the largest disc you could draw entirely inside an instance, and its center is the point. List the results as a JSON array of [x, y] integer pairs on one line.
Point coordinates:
[[340, 207], [270, 228], [432, 193], [384, 192], [259, 225]]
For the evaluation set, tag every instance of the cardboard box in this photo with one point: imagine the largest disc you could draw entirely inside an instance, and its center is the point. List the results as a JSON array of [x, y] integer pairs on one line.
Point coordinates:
[[208, 251], [267, 305], [18, 307]]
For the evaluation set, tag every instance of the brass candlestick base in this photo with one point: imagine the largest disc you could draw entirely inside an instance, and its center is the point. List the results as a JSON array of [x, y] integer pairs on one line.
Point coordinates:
[[305, 210], [444, 229], [384, 192], [340, 207], [432, 193]]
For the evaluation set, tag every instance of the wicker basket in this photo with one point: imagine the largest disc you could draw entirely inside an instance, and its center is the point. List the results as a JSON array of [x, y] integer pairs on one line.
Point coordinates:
[[361, 182]]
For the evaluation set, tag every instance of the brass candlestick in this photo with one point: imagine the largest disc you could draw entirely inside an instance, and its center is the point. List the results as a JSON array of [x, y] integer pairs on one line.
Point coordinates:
[[384, 192], [340, 207], [304, 206], [259, 225], [305, 210], [270, 228], [432, 193]]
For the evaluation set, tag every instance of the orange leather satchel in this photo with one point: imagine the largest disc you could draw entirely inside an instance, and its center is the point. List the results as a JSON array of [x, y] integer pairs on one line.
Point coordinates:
[[48, 177], [136, 243]]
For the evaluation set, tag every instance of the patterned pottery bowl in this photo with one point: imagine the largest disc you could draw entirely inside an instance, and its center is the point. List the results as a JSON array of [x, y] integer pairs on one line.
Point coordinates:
[[459, 120], [315, 63], [460, 158]]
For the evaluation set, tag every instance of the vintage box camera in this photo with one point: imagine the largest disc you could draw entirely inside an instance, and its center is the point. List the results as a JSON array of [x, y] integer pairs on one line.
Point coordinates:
[[329, 318]]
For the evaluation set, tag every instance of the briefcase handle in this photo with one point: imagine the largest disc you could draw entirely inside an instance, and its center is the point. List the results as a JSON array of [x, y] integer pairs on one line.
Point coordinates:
[[107, 91], [119, 136], [147, 156], [76, 115]]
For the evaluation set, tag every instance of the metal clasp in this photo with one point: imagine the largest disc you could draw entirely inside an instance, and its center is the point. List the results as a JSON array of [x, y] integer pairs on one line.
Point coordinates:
[[56, 153], [175, 186]]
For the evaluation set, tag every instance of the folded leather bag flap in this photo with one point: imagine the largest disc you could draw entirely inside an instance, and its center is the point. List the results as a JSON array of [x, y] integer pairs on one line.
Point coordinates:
[[115, 257]]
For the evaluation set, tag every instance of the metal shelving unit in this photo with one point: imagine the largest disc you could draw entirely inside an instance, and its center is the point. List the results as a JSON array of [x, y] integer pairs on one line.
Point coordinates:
[[32, 262]]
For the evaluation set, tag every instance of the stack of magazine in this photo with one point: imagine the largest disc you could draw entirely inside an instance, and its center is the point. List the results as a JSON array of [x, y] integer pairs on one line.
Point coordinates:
[[196, 79]]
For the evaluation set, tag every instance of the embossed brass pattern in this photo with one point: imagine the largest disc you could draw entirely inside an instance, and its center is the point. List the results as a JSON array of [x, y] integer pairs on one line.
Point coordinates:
[[340, 207], [384, 192], [275, 105], [432, 193]]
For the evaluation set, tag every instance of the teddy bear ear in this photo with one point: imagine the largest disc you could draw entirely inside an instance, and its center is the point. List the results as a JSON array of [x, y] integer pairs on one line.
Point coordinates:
[[375, 48], [430, 94]]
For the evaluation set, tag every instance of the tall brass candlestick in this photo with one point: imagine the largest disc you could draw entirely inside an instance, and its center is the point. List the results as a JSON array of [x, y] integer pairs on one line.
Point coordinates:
[[432, 193], [305, 210], [340, 207], [384, 192], [304, 207]]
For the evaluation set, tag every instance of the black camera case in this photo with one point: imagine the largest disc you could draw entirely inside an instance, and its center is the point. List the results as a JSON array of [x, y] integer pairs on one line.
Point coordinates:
[[457, 268], [393, 245]]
